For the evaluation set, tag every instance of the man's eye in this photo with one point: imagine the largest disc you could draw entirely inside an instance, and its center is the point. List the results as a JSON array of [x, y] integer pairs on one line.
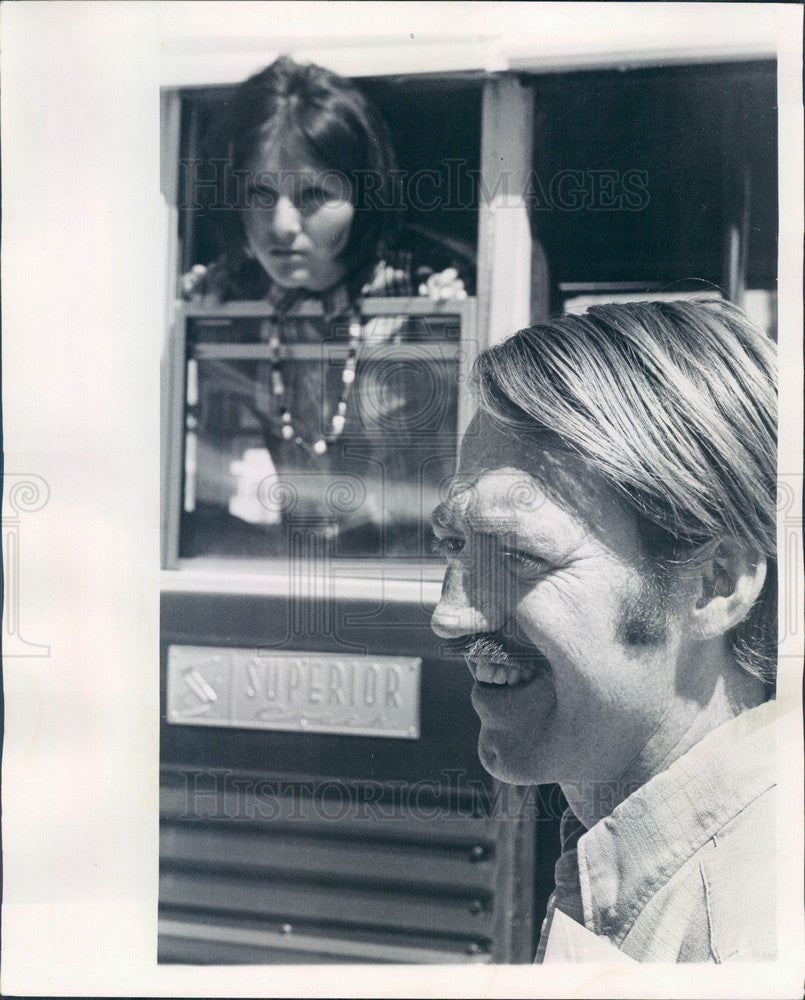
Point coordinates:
[[525, 565], [446, 547]]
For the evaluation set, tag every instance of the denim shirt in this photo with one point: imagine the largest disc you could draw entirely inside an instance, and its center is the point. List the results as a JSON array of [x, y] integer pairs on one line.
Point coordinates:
[[683, 870]]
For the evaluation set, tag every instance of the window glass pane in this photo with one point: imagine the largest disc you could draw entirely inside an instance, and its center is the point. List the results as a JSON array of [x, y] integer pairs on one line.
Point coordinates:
[[248, 492]]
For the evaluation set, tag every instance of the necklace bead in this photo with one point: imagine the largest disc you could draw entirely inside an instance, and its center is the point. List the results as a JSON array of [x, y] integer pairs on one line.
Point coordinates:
[[338, 422]]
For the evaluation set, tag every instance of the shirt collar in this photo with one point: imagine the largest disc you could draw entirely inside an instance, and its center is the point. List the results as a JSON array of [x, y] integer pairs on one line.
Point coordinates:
[[627, 856], [335, 301]]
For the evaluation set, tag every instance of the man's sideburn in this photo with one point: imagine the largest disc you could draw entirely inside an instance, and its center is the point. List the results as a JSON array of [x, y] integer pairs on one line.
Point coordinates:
[[644, 618]]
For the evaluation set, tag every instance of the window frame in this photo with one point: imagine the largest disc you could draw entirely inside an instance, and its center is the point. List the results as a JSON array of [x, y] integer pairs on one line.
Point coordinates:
[[501, 304], [462, 351]]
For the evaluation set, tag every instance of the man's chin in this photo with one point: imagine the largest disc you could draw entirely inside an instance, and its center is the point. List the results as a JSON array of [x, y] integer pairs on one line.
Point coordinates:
[[506, 763]]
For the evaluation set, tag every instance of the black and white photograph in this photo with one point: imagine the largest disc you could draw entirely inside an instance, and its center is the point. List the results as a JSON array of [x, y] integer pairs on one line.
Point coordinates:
[[425, 505]]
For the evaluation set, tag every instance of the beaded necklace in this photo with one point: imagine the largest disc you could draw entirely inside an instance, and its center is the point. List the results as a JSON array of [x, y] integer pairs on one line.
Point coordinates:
[[288, 430]]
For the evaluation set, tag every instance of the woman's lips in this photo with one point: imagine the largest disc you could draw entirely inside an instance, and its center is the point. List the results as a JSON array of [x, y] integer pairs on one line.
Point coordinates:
[[288, 254]]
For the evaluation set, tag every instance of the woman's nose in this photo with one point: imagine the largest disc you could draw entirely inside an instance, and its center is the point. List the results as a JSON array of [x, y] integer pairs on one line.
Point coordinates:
[[287, 221], [455, 614]]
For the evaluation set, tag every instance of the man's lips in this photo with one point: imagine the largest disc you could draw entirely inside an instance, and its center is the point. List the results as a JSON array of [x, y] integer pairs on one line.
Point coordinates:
[[513, 672], [495, 664], [492, 672]]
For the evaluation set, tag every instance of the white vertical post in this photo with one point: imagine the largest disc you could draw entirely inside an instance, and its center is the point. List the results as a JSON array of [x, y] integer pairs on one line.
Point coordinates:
[[504, 236], [170, 130]]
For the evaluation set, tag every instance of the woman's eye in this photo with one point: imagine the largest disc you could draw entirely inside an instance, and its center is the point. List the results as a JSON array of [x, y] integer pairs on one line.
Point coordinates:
[[313, 198], [446, 547], [262, 197]]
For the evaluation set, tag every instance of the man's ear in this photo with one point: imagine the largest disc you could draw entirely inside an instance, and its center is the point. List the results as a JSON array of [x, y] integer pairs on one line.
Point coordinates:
[[729, 581]]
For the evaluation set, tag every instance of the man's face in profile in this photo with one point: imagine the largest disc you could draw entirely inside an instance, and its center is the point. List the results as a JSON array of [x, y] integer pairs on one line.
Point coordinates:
[[563, 626]]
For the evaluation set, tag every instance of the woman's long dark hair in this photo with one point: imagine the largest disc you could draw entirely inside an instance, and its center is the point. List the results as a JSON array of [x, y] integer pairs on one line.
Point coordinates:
[[340, 126]]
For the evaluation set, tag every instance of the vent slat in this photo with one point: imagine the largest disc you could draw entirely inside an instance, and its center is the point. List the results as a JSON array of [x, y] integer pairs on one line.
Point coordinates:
[[331, 859], [182, 940], [283, 901], [351, 817]]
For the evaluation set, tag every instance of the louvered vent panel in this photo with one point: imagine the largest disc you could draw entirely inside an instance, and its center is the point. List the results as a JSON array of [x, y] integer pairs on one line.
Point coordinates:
[[301, 880]]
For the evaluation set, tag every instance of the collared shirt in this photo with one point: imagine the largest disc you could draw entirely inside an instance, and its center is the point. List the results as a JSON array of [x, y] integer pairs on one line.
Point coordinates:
[[683, 869]]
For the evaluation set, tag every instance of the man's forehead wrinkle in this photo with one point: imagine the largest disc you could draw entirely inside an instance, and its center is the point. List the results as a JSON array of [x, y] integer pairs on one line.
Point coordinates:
[[505, 477], [507, 492], [517, 488], [537, 465], [451, 513], [501, 521], [492, 498]]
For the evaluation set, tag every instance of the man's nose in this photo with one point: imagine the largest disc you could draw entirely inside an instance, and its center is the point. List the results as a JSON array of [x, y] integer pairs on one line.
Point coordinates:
[[287, 221], [455, 614]]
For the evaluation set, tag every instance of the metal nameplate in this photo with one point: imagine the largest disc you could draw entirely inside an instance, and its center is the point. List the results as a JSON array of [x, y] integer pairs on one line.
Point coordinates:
[[356, 695]]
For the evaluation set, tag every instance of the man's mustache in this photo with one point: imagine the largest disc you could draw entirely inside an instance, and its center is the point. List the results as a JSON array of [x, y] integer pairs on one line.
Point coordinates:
[[489, 646]]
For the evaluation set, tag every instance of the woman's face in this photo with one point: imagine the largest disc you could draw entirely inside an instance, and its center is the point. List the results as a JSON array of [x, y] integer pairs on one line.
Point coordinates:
[[297, 215]]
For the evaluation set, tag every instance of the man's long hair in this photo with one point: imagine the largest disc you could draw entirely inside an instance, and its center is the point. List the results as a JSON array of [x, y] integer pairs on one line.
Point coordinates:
[[675, 405]]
